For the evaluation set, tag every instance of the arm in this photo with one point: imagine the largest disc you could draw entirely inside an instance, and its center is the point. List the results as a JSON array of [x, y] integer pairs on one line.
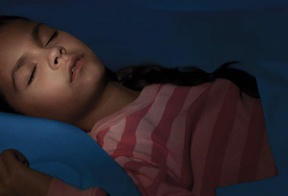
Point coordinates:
[[151, 179], [16, 178], [59, 188]]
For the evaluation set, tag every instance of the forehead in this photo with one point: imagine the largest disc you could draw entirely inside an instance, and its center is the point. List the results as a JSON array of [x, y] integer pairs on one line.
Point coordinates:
[[14, 31], [13, 34], [14, 38]]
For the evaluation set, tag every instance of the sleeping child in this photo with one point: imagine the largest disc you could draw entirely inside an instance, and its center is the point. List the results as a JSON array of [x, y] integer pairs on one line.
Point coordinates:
[[173, 132]]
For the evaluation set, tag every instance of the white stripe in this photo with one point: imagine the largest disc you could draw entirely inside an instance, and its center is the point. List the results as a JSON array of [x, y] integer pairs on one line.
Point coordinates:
[[204, 130], [150, 121], [178, 129], [113, 136], [235, 145]]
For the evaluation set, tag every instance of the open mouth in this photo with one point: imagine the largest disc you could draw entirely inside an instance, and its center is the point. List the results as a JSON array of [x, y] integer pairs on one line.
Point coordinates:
[[76, 64], [73, 67]]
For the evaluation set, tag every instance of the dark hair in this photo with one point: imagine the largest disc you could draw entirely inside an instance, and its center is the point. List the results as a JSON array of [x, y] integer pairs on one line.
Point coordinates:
[[6, 19], [137, 77]]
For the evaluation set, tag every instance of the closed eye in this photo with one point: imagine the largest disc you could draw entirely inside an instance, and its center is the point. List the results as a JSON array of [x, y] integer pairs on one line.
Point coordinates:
[[53, 36], [32, 75]]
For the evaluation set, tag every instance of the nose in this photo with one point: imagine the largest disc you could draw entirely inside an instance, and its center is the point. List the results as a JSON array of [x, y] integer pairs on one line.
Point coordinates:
[[56, 57]]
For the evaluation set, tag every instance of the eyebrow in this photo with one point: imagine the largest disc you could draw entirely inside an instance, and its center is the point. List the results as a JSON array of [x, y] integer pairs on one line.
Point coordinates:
[[35, 32], [22, 60], [20, 63]]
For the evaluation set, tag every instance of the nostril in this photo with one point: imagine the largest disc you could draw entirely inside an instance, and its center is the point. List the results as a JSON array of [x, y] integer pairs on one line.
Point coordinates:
[[56, 60]]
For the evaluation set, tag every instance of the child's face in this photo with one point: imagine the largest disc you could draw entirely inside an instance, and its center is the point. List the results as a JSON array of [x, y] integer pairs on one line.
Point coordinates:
[[36, 71]]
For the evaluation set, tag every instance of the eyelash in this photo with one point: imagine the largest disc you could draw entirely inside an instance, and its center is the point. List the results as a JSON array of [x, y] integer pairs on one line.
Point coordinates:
[[32, 76], [53, 36]]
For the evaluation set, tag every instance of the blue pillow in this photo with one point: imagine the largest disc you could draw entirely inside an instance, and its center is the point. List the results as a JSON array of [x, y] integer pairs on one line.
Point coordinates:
[[64, 151]]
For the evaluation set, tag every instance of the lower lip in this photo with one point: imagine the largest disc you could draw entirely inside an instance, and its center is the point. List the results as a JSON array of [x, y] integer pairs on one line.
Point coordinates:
[[77, 68]]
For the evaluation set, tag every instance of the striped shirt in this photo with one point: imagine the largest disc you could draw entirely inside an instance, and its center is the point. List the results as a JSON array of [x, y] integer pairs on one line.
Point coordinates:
[[186, 140]]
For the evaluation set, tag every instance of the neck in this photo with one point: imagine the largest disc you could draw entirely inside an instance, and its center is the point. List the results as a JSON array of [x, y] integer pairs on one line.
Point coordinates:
[[114, 98]]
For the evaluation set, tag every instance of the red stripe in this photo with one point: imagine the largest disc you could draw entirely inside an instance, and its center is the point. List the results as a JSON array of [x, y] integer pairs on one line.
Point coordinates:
[[127, 144], [236, 143], [134, 167], [161, 134], [253, 145], [217, 147], [193, 116], [101, 135]]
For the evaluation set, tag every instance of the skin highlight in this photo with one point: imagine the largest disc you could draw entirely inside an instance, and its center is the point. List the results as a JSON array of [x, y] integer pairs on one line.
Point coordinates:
[[42, 86], [37, 79]]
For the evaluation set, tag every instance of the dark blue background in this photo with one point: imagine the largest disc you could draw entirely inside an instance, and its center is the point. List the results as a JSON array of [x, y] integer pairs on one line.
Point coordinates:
[[205, 33], [173, 33]]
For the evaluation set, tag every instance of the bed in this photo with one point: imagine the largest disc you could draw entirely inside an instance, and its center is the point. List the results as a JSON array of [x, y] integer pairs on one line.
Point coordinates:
[[171, 33]]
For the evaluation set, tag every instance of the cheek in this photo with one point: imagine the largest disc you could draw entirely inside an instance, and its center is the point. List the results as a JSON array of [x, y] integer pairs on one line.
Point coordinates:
[[42, 99], [47, 102], [91, 80], [52, 96], [61, 101]]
